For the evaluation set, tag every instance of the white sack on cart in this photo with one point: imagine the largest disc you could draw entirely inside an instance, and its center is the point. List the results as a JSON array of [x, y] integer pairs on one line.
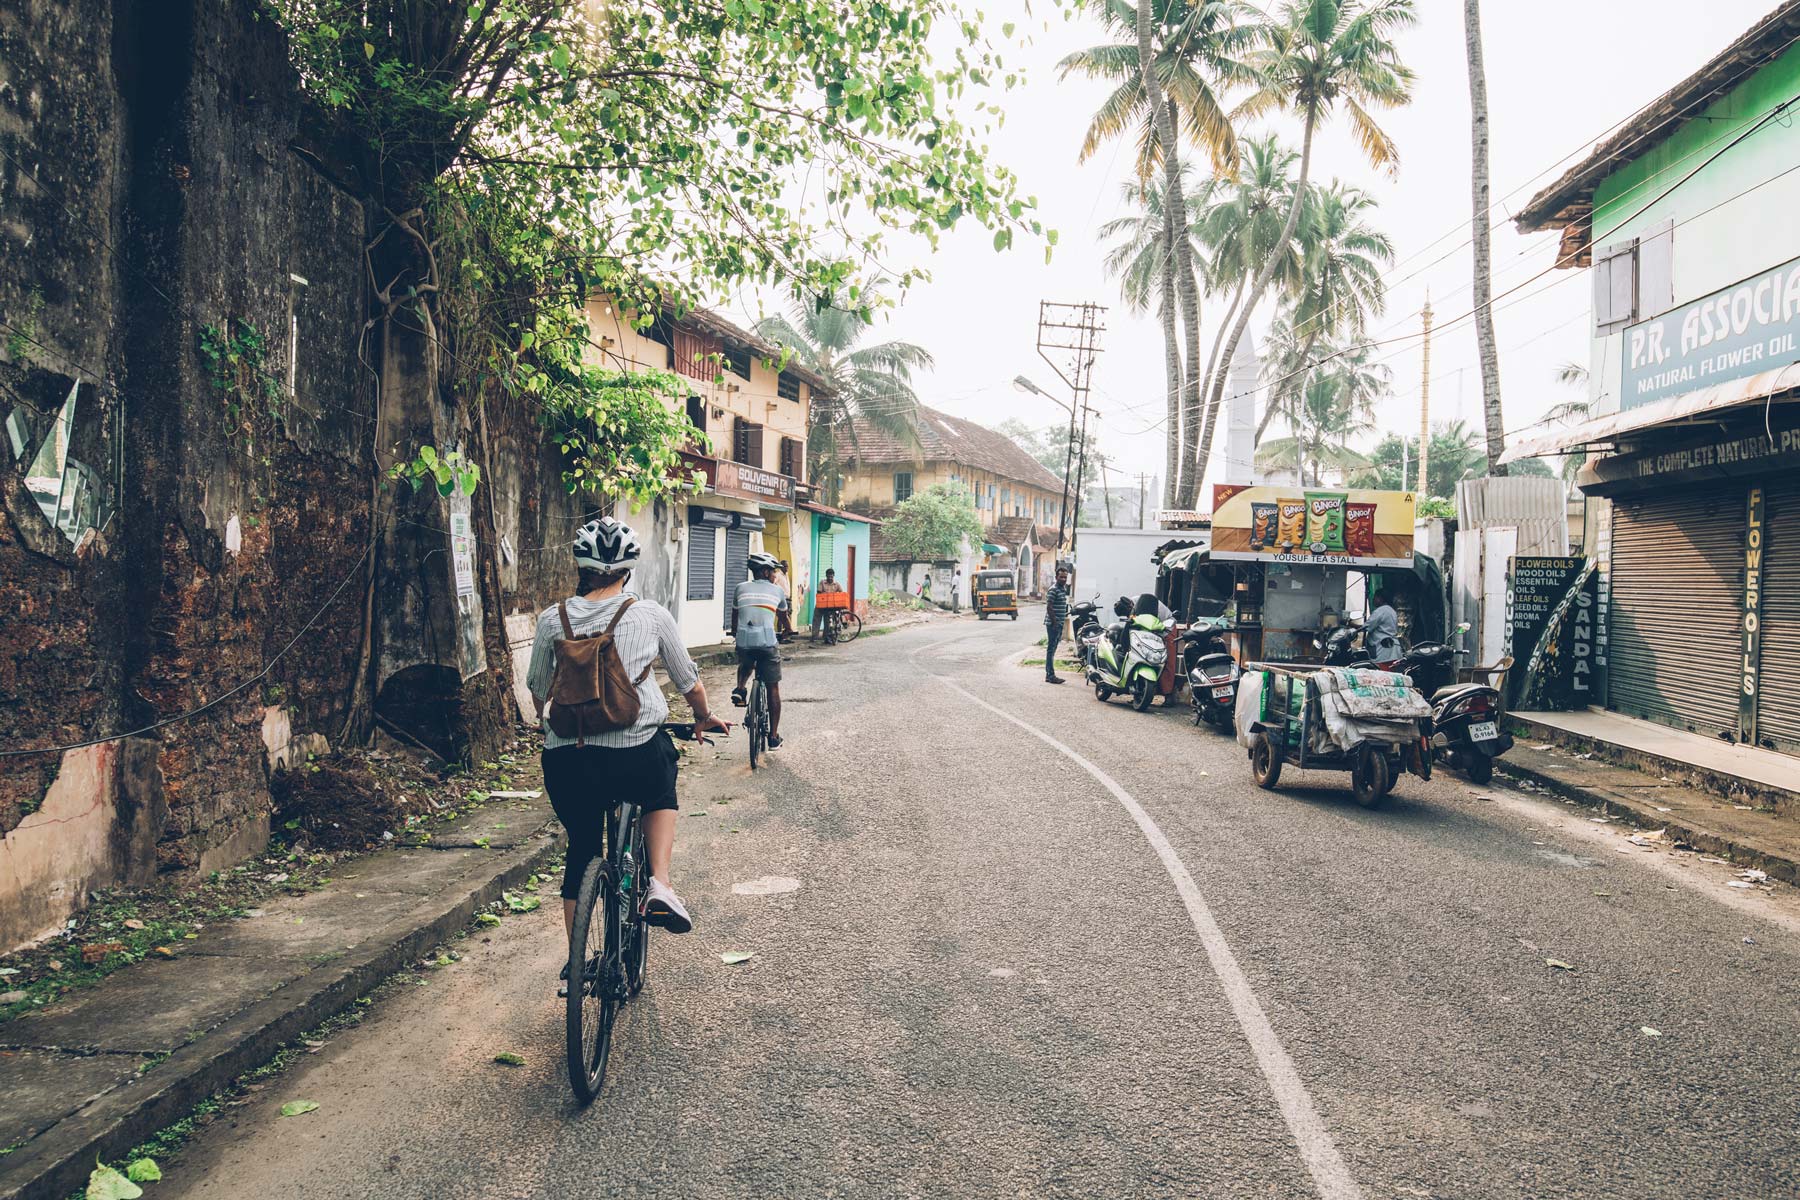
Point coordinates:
[[1249, 704], [1361, 705]]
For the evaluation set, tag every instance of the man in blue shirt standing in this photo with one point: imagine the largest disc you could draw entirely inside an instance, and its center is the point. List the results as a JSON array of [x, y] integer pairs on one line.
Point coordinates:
[[754, 605]]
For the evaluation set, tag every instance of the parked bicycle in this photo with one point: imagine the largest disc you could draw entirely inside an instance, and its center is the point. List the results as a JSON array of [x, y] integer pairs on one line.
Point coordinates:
[[841, 625], [609, 940]]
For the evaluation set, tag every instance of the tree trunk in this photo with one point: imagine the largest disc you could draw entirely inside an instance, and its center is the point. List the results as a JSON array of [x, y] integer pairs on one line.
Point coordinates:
[[1174, 228], [1237, 298], [1216, 388], [1484, 286], [1189, 290], [1172, 366]]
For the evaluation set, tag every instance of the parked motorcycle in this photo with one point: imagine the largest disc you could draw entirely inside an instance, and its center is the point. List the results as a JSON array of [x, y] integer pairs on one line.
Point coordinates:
[[1087, 630], [1212, 673], [1129, 658], [1465, 717]]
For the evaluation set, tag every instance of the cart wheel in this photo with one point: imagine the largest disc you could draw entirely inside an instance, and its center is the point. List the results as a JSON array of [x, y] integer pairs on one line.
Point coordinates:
[[1368, 779], [1480, 768], [1394, 771], [1265, 762], [1143, 694]]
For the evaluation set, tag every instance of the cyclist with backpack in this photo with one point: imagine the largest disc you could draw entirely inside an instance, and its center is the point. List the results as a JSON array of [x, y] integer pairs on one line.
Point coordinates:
[[754, 605], [603, 737]]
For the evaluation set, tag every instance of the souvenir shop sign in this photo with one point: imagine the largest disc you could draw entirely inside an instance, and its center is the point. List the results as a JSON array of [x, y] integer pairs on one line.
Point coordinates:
[[1345, 527]]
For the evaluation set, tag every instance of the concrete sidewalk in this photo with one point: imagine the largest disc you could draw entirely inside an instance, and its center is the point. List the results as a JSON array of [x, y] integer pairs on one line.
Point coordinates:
[[99, 1072], [1753, 830]]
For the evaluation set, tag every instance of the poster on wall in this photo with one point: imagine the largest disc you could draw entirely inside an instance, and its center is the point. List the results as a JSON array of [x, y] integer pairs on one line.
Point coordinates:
[[1346, 527], [1552, 633]]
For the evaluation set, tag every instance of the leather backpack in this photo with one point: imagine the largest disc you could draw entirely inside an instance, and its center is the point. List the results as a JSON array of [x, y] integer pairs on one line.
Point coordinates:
[[590, 691]]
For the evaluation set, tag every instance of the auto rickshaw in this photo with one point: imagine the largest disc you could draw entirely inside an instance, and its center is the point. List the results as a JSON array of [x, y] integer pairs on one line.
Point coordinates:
[[993, 592]]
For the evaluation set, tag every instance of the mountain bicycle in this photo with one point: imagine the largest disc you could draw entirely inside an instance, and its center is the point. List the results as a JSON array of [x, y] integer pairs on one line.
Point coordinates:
[[609, 941], [756, 721]]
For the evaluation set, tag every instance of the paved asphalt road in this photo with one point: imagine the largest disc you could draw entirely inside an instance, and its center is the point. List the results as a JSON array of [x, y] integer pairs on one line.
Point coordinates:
[[1086, 958]]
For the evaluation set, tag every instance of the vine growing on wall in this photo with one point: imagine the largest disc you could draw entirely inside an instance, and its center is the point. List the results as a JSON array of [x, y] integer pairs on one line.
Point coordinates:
[[236, 358]]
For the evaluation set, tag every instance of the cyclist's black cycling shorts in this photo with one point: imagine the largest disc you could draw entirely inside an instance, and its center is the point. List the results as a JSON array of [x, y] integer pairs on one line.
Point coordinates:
[[766, 660], [585, 782]]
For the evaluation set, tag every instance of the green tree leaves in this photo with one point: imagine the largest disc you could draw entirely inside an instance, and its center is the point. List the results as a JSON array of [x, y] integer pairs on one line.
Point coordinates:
[[932, 524]]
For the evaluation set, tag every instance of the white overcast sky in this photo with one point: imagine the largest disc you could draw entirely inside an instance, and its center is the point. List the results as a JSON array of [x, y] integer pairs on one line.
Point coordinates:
[[1560, 74]]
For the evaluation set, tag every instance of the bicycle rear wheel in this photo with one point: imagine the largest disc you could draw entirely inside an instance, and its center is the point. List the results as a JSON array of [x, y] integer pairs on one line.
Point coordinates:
[[757, 721], [593, 957], [637, 933], [852, 627]]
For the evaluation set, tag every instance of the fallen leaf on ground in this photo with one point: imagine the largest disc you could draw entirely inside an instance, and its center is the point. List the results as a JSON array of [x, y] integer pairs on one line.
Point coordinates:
[[295, 1108], [98, 950], [507, 1058], [1649, 1032], [143, 1170], [1559, 964], [107, 1184], [134, 923], [165, 952], [487, 919], [1602, 893], [732, 958]]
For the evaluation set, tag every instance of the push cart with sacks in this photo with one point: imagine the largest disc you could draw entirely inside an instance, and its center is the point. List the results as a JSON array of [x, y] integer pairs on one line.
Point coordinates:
[[1373, 724]]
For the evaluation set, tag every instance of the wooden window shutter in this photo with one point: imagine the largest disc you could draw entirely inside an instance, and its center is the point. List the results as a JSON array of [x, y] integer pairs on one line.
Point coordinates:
[[790, 457], [696, 411], [754, 447], [1615, 286], [1656, 271]]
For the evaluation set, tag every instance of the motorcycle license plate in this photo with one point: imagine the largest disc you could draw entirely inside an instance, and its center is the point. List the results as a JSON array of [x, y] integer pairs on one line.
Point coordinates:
[[1221, 693], [1484, 731]]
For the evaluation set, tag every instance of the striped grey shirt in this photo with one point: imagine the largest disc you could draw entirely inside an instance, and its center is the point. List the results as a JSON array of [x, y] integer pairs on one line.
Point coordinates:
[[646, 632]]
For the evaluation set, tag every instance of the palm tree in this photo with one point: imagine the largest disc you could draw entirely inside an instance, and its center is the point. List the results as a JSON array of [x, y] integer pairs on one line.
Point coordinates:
[[868, 383], [1172, 84], [1484, 271], [1341, 261], [1145, 265], [1242, 225], [1319, 56], [1332, 406], [1202, 45]]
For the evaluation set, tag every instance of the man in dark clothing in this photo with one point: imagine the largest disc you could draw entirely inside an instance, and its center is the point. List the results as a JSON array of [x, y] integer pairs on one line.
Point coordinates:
[[1056, 615]]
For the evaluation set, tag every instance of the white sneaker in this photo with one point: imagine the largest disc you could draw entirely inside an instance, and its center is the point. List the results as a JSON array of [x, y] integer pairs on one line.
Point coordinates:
[[664, 908]]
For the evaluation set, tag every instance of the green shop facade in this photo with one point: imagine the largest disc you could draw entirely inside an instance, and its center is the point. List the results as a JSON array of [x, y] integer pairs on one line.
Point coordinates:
[[840, 541], [1684, 220]]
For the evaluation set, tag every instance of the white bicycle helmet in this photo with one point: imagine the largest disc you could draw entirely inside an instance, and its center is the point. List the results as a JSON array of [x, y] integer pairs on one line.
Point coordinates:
[[764, 562], [607, 545]]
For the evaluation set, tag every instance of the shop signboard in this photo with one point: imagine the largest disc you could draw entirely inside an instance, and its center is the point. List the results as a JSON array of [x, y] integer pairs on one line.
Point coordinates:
[[1738, 331], [768, 488], [1552, 610], [1755, 520], [1346, 527]]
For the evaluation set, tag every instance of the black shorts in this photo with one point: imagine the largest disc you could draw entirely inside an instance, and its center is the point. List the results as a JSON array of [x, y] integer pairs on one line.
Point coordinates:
[[586, 782], [766, 660]]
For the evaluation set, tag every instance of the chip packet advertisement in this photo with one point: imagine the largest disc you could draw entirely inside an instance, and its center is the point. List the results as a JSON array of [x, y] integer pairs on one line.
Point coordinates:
[[1348, 527]]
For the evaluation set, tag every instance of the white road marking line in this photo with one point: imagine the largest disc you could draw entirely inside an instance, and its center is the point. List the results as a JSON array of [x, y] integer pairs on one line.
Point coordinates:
[[1317, 1150]]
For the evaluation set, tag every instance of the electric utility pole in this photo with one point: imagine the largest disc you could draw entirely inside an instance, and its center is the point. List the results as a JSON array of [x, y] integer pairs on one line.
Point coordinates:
[[1424, 408], [1068, 339]]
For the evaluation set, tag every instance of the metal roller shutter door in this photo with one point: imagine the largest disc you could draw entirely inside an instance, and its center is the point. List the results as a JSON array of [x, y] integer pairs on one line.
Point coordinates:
[[1677, 595], [1778, 702], [737, 560]]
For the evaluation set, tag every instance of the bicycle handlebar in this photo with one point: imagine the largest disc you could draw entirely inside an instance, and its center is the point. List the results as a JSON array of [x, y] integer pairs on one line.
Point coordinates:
[[684, 731]]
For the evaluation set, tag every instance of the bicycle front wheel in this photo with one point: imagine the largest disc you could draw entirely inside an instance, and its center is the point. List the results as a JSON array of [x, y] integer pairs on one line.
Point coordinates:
[[593, 957], [852, 627]]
